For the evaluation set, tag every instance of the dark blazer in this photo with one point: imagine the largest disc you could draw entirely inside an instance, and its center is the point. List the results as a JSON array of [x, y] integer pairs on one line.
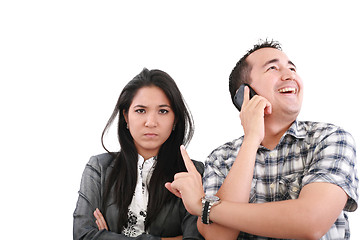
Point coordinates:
[[173, 219]]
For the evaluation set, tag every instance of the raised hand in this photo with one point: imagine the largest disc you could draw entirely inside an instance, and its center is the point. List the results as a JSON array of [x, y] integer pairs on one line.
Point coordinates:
[[252, 115], [188, 186]]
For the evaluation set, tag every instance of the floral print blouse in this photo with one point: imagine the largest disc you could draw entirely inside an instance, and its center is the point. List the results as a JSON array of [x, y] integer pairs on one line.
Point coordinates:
[[138, 207]]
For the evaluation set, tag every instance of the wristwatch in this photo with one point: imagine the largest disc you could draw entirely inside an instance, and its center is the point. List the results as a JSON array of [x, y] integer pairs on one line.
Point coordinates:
[[207, 203]]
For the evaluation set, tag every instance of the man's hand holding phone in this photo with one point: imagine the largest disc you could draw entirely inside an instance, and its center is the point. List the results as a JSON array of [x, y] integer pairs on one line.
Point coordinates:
[[252, 115]]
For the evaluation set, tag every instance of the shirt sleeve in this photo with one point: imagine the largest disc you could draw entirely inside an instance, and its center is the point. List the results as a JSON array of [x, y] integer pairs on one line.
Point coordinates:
[[214, 174], [334, 161], [89, 199]]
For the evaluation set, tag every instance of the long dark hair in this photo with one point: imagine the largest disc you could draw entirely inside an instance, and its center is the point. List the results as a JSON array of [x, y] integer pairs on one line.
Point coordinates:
[[122, 180]]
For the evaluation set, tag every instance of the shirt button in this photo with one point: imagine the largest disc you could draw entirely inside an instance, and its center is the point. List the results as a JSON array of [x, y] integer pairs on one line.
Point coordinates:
[[272, 186], [272, 154]]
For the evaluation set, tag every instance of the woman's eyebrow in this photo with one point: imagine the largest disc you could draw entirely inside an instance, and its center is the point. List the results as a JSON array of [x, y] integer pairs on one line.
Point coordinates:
[[139, 106], [143, 106], [164, 105]]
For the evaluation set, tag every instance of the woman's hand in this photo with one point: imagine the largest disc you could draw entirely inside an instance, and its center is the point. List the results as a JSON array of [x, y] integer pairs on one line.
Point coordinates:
[[188, 186], [100, 220], [101, 223]]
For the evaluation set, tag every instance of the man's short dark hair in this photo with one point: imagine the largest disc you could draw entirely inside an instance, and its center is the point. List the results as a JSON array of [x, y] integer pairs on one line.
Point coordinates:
[[241, 72]]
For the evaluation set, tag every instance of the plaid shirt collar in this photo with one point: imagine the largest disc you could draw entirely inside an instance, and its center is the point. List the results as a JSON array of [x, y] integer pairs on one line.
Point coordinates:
[[296, 130]]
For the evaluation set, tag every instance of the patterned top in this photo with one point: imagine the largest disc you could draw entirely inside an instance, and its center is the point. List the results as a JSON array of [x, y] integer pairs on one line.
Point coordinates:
[[171, 221], [138, 206], [308, 152]]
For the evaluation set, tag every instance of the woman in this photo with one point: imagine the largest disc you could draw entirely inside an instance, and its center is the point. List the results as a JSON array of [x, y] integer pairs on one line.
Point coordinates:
[[122, 195]]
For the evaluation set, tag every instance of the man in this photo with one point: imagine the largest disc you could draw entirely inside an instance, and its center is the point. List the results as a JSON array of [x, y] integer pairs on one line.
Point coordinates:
[[301, 176]]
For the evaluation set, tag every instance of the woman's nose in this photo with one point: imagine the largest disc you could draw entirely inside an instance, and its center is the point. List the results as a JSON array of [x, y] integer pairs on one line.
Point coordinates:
[[151, 121]]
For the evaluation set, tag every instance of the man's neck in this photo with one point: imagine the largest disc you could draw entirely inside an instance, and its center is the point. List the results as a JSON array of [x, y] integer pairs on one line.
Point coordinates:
[[274, 130]]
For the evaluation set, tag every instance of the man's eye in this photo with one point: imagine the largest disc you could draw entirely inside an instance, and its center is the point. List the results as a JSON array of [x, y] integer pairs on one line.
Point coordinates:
[[163, 111], [271, 68]]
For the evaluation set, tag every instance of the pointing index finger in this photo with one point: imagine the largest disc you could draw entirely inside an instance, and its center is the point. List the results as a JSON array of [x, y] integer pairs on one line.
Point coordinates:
[[188, 163]]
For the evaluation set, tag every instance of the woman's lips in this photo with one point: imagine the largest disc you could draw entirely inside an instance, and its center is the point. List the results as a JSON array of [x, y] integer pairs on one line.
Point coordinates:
[[150, 135]]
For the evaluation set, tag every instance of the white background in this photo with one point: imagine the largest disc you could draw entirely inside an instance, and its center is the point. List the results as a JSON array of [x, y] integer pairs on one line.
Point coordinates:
[[64, 63]]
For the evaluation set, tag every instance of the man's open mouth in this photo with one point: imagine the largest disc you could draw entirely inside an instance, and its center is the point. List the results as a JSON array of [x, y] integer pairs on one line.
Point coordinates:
[[287, 90]]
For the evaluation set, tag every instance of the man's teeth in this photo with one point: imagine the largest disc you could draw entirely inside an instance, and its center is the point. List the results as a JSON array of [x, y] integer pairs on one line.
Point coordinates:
[[287, 90]]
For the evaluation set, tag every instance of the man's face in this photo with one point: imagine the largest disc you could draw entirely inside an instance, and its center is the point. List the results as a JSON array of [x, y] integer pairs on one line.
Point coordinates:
[[274, 77]]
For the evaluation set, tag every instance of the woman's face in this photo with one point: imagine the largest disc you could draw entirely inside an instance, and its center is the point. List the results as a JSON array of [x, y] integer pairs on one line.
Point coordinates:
[[150, 120]]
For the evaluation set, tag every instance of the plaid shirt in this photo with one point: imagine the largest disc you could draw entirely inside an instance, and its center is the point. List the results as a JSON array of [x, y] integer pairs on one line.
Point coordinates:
[[308, 152]]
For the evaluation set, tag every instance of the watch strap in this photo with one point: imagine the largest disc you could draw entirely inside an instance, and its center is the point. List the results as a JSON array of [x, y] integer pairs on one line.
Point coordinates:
[[205, 213]]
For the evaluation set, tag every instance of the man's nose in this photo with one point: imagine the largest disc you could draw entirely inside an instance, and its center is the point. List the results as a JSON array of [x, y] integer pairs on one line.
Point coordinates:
[[287, 74]]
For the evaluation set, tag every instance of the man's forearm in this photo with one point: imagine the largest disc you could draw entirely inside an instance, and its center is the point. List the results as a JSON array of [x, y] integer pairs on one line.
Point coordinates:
[[304, 218], [237, 185], [216, 231], [236, 188]]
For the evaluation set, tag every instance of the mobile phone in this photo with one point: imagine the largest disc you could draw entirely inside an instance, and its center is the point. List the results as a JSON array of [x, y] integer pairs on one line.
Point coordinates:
[[239, 95]]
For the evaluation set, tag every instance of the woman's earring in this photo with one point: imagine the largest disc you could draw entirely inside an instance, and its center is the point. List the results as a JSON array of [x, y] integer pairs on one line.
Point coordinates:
[[127, 126], [174, 127]]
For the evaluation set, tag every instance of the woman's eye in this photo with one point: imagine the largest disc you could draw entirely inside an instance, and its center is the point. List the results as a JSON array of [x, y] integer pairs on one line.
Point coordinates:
[[293, 69], [163, 111], [140, 110]]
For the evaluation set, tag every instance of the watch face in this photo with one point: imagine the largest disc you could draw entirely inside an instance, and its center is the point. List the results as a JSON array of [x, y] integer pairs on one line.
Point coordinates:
[[212, 198]]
